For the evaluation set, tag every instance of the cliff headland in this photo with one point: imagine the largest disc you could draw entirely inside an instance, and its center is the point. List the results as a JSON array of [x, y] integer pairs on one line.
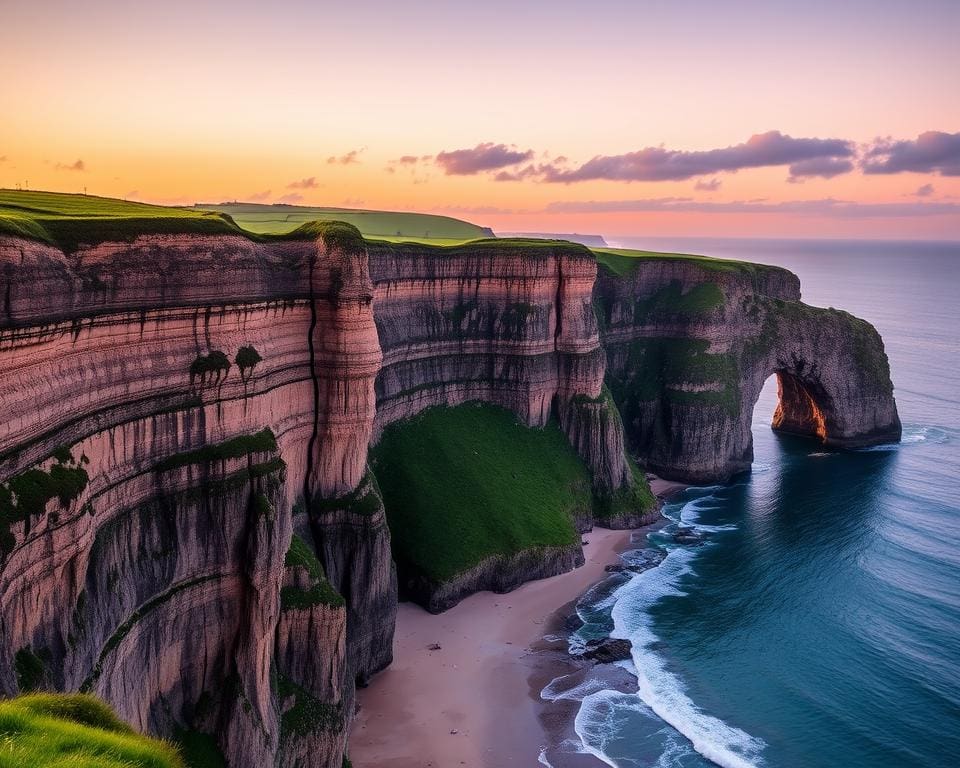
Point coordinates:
[[211, 437]]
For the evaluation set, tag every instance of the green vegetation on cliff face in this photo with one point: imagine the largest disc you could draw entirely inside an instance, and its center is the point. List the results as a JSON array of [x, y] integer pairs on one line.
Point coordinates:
[[75, 731], [682, 370], [235, 448], [26, 495], [462, 484], [671, 301], [321, 591]]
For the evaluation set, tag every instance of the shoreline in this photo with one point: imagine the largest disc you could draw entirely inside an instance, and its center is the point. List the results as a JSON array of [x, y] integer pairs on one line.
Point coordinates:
[[475, 701]]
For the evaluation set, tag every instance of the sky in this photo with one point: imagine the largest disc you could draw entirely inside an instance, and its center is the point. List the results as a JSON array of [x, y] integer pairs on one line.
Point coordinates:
[[683, 117]]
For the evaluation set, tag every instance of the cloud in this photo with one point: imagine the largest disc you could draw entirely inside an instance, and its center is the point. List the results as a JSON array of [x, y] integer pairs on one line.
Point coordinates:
[[307, 183], [79, 165], [708, 186], [259, 197], [828, 207], [659, 164], [483, 157], [408, 160], [3, 158], [291, 199], [349, 158], [824, 167], [520, 175], [924, 191], [930, 152]]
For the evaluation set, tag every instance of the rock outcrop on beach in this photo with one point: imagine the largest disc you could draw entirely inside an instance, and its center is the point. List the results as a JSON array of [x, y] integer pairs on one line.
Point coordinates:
[[690, 343], [188, 524]]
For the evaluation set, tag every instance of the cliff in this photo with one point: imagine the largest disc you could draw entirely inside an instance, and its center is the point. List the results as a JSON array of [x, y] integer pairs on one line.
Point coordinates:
[[690, 342], [189, 526]]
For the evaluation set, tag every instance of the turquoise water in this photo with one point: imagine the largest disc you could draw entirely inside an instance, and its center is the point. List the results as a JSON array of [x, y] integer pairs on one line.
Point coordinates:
[[820, 623]]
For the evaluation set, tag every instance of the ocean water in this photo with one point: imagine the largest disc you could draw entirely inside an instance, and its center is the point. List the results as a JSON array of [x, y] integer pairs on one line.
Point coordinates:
[[819, 625]]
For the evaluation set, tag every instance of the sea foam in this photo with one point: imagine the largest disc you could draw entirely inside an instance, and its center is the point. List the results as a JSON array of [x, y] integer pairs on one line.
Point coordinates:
[[660, 691]]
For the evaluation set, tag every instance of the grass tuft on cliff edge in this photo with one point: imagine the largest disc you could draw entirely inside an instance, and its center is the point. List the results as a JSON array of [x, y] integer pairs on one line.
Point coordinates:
[[462, 484], [48, 729]]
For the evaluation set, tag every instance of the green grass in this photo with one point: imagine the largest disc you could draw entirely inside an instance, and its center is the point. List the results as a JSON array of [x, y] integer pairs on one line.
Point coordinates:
[[46, 730], [624, 261], [69, 221], [384, 225], [462, 484]]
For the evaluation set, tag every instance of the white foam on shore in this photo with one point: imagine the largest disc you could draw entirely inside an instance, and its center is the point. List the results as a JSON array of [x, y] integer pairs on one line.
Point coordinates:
[[659, 689]]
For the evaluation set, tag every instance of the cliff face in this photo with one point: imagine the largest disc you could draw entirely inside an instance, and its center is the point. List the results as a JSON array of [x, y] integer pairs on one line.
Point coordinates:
[[689, 345], [509, 325], [188, 525], [170, 403]]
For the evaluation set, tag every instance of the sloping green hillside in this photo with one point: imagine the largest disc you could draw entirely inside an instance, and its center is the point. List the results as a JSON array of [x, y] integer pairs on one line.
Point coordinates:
[[382, 225], [46, 730], [462, 484], [70, 220]]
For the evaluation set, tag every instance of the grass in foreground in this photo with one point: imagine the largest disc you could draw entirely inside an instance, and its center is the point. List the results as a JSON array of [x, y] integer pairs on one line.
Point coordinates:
[[74, 731], [462, 484]]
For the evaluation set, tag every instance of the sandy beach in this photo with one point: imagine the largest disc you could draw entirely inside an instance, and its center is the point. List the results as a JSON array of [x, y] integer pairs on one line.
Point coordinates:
[[475, 701]]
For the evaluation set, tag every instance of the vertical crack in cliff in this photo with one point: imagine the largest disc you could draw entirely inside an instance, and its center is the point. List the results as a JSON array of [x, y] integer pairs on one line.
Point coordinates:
[[316, 385]]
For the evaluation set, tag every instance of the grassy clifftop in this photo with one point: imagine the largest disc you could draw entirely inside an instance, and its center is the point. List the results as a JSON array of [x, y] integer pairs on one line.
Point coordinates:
[[462, 484], [394, 226], [46, 730], [68, 220], [624, 261]]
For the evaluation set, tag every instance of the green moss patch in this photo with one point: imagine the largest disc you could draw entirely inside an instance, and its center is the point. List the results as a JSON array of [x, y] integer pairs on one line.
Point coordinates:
[[27, 494], [668, 367], [364, 500], [671, 301], [321, 592], [462, 484], [304, 713], [42, 730], [235, 448], [215, 364]]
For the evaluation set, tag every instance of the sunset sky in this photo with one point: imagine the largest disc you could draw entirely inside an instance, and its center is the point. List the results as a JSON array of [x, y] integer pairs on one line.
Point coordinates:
[[818, 119]]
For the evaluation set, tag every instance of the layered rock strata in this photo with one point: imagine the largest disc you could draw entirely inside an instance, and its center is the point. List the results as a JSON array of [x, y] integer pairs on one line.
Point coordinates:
[[188, 526], [690, 343]]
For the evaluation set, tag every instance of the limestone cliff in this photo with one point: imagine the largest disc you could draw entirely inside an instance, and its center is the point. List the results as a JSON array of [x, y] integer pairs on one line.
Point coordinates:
[[691, 341], [188, 524]]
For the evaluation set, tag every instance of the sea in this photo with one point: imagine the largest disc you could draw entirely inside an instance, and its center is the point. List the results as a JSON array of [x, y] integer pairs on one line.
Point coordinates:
[[819, 623]]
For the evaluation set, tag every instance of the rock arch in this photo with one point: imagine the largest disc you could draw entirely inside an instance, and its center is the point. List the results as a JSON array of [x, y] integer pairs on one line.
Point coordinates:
[[687, 385]]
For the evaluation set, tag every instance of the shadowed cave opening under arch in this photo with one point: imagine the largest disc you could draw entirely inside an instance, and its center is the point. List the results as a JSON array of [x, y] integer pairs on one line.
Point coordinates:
[[800, 407]]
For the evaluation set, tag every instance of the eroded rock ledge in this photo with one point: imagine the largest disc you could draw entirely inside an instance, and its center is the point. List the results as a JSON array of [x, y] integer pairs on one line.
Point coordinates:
[[188, 526]]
